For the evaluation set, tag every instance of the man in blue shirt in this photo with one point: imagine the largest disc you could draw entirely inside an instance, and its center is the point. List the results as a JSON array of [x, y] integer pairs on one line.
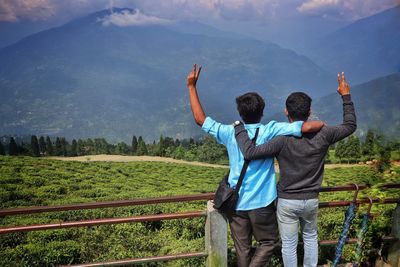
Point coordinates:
[[255, 210]]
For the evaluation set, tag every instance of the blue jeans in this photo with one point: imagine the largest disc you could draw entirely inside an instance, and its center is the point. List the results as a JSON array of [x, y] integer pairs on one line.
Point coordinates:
[[290, 213]]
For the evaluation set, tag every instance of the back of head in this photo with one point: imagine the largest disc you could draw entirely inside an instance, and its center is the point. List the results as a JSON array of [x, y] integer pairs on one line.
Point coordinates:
[[298, 105], [251, 107]]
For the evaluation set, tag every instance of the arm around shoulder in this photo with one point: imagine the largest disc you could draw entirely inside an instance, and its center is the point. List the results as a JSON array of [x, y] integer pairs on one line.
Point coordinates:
[[312, 126], [250, 151]]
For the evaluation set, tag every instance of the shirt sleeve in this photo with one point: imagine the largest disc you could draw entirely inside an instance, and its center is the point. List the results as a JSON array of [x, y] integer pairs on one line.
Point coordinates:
[[285, 128], [221, 132], [349, 125], [250, 151]]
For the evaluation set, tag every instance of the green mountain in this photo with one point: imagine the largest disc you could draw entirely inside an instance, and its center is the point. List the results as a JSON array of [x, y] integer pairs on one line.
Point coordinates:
[[89, 79], [366, 49], [376, 103]]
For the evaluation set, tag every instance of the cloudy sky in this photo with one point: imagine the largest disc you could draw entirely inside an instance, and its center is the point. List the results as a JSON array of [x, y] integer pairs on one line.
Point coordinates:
[[238, 10], [283, 21]]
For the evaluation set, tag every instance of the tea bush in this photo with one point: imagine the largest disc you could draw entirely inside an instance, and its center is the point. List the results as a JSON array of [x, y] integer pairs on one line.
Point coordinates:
[[27, 181]]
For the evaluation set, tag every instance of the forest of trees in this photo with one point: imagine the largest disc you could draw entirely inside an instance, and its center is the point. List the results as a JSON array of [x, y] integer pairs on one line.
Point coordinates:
[[206, 149]]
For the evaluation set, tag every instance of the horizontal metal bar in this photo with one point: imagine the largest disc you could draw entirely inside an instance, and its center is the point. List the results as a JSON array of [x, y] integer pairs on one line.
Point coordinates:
[[144, 201], [333, 204], [349, 187], [146, 218], [350, 241], [334, 242], [389, 186], [389, 239], [106, 204], [144, 260]]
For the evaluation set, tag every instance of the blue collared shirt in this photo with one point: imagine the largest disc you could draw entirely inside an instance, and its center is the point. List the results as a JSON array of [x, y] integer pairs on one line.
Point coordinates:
[[259, 184]]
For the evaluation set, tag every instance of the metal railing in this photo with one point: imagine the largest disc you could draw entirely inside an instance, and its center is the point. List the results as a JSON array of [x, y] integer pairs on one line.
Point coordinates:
[[216, 225]]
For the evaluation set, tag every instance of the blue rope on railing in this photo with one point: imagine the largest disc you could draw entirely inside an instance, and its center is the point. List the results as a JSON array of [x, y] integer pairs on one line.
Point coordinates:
[[360, 238], [350, 214]]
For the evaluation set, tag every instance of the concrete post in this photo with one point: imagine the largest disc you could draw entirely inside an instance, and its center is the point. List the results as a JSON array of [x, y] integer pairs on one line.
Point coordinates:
[[394, 250], [216, 238]]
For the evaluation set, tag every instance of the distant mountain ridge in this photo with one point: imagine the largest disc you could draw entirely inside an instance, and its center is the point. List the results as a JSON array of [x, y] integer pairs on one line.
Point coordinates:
[[83, 79], [366, 49], [376, 103]]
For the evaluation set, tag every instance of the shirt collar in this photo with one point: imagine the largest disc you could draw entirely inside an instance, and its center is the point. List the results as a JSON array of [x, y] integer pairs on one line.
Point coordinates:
[[252, 125]]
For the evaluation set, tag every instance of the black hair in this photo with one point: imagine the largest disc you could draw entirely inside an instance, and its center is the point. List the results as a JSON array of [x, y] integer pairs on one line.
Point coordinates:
[[250, 106], [298, 105]]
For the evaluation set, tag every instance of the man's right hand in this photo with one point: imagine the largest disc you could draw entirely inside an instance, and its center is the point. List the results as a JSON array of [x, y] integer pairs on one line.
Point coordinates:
[[193, 76], [344, 87], [197, 109]]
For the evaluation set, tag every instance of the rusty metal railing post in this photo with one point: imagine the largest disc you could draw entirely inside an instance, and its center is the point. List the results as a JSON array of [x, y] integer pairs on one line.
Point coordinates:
[[394, 250], [216, 238]]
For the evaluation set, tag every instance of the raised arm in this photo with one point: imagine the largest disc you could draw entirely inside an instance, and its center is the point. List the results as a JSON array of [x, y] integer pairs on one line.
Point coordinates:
[[197, 110], [349, 125], [250, 151]]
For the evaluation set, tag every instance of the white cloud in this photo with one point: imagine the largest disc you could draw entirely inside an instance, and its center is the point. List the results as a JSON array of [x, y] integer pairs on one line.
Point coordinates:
[[135, 18], [347, 9], [6, 12], [311, 5], [225, 9], [238, 10], [13, 10]]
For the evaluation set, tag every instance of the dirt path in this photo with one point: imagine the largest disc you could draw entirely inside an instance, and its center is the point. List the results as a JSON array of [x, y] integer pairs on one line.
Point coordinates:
[[119, 158]]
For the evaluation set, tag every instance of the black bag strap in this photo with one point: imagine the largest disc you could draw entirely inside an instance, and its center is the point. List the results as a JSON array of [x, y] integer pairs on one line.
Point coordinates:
[[245, 165]]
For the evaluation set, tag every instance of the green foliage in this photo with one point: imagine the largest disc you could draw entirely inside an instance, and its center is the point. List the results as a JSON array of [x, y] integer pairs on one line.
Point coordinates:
[[27, 181], [12, 148], [122, 148], [134, 145], [210, 151], [368, 147], [35, 146], [353, 149], [340, 149], [49, 147], [384, 158], [58, 148], [2, 150], [142, 148], [42, 146], [74, 148]]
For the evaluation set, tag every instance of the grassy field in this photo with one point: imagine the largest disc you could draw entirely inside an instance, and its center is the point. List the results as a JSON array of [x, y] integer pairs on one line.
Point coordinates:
[[27, 181]]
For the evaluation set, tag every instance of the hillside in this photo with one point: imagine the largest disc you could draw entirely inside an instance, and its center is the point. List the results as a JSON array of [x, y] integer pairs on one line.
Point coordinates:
[[28, 181], [376, 103], [87, 79], [366, 49]]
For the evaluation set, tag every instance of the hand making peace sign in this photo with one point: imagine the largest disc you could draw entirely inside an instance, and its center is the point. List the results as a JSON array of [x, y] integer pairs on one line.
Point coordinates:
[[344, 87], [193, 76]]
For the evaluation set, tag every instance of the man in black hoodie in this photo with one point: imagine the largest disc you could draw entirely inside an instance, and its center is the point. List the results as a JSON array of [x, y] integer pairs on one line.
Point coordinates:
[[301, 164]]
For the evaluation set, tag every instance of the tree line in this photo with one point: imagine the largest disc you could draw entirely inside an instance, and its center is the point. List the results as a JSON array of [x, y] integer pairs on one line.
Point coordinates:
[[374, 147], [206, 149]]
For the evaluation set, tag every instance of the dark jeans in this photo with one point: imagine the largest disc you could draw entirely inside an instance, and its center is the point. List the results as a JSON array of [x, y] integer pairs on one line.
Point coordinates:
[[263, 225]]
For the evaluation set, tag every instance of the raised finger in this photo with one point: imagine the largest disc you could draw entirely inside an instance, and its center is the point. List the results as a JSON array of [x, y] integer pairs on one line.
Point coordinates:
[[198, 72], [194, 68], [343, 78], [338, 78]]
